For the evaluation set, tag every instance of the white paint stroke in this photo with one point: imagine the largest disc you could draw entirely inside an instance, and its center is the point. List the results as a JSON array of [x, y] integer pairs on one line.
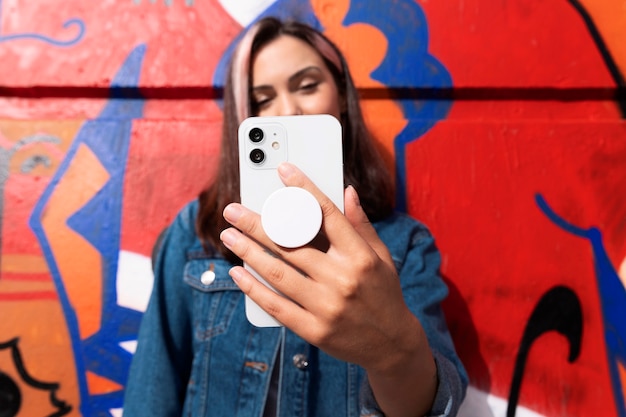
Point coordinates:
[[483, 404], [134, 280], [245, 11], [130, 346]]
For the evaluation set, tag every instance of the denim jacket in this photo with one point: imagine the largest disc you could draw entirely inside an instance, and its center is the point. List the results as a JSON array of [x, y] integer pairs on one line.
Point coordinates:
[[197, 355]]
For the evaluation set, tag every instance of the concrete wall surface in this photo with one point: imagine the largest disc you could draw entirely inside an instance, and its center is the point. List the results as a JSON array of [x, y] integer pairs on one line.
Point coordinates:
[[503, 121]]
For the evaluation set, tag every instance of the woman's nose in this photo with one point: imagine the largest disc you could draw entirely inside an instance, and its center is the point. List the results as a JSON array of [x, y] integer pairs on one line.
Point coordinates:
[[289, 106]]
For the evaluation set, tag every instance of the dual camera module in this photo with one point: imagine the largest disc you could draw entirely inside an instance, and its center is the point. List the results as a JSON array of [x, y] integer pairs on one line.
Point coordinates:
[[257, 155], [265, 144]]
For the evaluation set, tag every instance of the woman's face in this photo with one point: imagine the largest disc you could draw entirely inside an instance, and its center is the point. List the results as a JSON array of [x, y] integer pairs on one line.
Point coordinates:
[[289, 77]]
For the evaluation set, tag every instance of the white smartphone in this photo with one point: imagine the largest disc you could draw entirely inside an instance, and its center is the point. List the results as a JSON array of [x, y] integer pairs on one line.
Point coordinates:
[[311, 142]]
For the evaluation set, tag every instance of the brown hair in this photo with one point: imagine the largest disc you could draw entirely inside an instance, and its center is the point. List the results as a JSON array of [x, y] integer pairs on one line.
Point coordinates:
[[364, 169]]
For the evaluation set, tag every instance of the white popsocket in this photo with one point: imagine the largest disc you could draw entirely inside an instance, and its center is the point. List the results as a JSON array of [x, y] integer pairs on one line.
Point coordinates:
[[291, 217]]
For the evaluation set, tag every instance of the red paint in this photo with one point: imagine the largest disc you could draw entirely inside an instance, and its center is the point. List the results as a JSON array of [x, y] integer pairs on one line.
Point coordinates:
[[169, 162], [515, 44], [474, 185], [29, 296]]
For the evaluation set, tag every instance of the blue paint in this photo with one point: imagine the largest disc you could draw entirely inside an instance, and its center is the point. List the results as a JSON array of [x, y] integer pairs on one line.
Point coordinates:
[[407, 64], [99, 222], [36, 36], [612, 299]]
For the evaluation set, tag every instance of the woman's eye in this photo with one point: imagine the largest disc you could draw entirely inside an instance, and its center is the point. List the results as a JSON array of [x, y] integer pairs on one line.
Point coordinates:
[[259, 103], [309, 86]]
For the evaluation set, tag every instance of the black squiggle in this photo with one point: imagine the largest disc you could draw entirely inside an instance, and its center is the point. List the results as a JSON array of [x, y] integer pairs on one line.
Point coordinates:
[[62, 407], [559, 310]]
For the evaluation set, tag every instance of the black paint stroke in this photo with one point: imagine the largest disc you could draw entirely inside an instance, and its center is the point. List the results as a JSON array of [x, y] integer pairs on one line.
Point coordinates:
[[10, 396], [62, 407], [559, 310]]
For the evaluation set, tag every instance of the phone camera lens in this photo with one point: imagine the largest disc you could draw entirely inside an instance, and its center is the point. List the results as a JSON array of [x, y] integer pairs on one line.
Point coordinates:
[[256, 135], [257, 155]]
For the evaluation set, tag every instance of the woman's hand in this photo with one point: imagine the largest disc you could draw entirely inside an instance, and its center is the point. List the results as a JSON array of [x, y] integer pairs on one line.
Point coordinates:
[[350, 303]]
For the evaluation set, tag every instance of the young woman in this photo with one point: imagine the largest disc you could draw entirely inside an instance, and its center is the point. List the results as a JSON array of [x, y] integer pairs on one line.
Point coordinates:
[[364, 332]]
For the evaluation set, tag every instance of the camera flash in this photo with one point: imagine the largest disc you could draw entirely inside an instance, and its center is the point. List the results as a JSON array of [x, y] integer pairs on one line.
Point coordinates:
[[275, 145]]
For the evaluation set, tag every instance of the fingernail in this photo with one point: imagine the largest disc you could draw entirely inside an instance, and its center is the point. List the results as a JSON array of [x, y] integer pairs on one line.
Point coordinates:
[[228, 237], [285, 170], [232, 212], [355, 196], [235, 274]]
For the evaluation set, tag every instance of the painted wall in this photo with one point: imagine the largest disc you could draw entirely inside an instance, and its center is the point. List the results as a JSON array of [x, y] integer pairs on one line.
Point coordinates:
[[504, 123]]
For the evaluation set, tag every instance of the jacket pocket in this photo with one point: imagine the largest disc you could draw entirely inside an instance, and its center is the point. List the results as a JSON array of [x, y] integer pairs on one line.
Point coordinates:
[[215, 296]]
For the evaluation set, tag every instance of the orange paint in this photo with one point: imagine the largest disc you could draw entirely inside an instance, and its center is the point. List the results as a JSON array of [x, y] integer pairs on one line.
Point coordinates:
[[609, 18], [82, 276], [15, 286], [26, 264], [28, 295], [45, 353], [364, 48], [100, 385], [15, 130]]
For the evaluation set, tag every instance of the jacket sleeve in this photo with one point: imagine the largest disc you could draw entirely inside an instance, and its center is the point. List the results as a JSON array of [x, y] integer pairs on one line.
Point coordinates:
[[417, 261], [161, 365]]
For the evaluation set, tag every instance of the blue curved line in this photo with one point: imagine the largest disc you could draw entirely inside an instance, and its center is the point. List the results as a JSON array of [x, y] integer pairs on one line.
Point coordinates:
[[612, 299], [559, 221], [36, 36]]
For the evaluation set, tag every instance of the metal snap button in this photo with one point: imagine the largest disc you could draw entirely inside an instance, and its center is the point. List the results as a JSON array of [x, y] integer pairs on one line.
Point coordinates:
[[300, 361], [208, 276]]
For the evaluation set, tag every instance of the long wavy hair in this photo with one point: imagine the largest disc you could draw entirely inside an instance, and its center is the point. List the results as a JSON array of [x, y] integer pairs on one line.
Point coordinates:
[[364, 168]]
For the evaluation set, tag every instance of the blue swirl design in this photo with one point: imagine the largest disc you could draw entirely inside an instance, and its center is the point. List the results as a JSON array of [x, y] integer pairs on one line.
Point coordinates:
[[36, 36], [408, 65], [612, 298]]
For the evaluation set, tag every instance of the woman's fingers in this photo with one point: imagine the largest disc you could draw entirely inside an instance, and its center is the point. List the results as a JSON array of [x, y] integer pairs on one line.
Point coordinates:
[[354, 252], [249, 223], [332, 294], [281, 308], [297, 290], [275, 271], [358, 219], [334, 224], [348, 232]]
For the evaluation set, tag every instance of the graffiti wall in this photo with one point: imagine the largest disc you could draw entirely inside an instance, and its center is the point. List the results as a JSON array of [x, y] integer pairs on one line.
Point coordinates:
[[503, 122]]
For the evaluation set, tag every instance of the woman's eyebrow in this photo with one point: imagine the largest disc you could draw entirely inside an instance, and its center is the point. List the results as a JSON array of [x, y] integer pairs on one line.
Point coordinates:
[[298, 74], [304, 71], [261, 87]]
